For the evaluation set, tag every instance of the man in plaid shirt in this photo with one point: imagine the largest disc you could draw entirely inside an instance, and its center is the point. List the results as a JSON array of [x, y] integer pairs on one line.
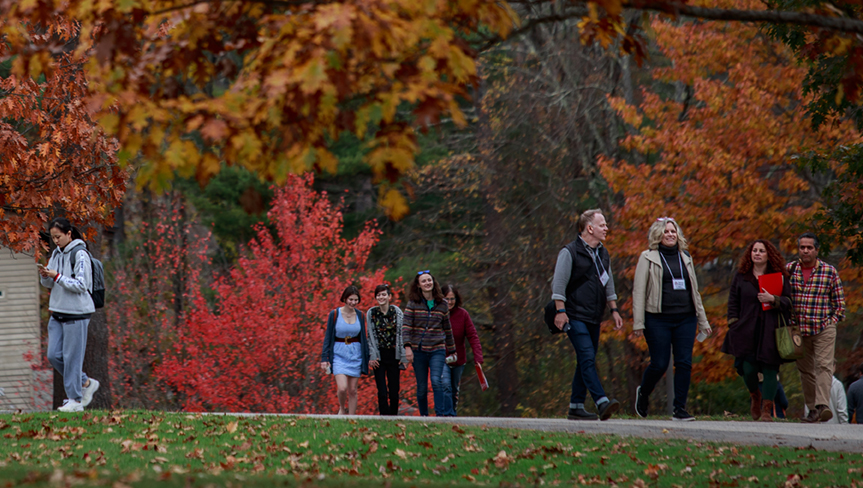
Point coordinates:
[[819, 304]]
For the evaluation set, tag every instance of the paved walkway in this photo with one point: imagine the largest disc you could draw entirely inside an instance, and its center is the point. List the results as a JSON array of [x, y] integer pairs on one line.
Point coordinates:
[[826, 437]]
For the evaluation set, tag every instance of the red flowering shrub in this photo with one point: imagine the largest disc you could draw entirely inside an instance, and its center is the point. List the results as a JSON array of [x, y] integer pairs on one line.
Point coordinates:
[[150, 286], [258, 347]]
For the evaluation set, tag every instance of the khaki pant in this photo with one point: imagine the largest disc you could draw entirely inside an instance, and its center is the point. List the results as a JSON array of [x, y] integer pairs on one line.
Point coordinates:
[[816, 367]]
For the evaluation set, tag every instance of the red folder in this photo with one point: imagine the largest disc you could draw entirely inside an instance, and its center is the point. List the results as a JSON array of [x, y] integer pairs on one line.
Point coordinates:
[[483, 382], [771, 283]]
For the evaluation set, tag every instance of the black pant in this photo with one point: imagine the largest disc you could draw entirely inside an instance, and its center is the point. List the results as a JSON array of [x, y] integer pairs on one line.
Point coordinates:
[[388, 372]]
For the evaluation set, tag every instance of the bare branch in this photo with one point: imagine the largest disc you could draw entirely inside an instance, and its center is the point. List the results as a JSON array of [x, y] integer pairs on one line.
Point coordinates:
[[839, 24]]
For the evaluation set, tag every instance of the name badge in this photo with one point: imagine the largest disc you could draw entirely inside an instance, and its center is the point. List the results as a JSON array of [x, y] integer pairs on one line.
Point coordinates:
[[604, 278], [678, 284]]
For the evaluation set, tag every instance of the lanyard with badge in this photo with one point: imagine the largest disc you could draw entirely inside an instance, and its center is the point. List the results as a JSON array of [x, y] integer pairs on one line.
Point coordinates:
[[603, 276], [676, 284]]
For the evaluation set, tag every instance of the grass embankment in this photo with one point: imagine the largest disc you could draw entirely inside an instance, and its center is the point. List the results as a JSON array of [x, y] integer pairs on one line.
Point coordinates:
[[122, 449]]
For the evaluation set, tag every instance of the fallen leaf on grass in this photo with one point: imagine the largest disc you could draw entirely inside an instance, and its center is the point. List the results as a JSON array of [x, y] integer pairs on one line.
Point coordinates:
[[373, 447], [232, 426], [400, 453], [502, 460], [197, 453], [457, 429]]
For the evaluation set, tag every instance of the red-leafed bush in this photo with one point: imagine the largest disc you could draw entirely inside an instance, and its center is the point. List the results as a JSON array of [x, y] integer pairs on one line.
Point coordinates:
[[258, 347], [151, 284]]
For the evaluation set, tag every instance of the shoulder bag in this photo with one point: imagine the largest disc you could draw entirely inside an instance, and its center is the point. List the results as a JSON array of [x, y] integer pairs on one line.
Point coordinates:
[[789, 342]]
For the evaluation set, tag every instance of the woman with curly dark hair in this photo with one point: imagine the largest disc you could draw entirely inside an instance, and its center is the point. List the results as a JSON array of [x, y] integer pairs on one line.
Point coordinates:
[[751, 337], [428, 341]]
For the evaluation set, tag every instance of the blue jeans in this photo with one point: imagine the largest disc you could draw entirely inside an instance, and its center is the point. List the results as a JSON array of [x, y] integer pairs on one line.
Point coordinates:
[[451, 379], [434, 362], [585, 340], [665, 333]]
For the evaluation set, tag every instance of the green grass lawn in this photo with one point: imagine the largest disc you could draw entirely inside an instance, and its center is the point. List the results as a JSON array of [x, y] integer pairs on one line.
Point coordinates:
[[132, 448]]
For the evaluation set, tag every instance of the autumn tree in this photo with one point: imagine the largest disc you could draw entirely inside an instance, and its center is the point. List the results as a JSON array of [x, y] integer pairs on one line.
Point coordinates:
[[54, 158], [268, 85], [257, 345], [720, 156]]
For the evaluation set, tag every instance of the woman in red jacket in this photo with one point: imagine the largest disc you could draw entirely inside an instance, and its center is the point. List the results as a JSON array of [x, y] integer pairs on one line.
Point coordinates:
[[462, 326]]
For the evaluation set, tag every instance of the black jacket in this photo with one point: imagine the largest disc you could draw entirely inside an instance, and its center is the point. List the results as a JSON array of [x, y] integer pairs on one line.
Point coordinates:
[[586, 298], [752, 336]]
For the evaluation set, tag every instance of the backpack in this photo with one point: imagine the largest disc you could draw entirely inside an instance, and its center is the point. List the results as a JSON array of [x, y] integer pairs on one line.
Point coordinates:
[[98, 273]]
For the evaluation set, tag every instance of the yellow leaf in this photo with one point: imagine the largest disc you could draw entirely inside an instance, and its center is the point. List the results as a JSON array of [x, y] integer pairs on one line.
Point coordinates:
[[313, 75], [232, 426], [396, 208], [327, 161]]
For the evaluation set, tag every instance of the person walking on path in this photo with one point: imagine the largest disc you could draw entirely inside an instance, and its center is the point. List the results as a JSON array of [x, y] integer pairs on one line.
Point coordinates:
[[855, 398], [582, 286], [751, 336], [345, 352], [71, 307], [386, 349], [428, 340], [667, 309], [462, 328], [819, 305]]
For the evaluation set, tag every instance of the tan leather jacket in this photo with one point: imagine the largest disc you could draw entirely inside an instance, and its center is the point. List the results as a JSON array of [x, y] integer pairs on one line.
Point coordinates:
[[647, 289]]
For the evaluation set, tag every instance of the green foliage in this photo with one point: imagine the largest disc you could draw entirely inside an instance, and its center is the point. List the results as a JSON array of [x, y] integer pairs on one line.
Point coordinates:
[[231, 204], [839, 223]]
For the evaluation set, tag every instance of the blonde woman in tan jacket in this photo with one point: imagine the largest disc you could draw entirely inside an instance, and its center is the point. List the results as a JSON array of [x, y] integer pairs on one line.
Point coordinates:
[[667, 310]]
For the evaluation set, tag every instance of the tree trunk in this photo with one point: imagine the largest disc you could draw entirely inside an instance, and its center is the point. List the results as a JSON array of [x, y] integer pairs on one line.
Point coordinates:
[[506, 367]]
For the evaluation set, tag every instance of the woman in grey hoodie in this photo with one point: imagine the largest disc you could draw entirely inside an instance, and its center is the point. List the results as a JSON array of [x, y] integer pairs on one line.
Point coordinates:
[[71, 307]]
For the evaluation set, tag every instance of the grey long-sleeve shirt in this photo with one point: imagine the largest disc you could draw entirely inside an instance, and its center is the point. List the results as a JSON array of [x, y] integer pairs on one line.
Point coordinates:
[[563, 270]]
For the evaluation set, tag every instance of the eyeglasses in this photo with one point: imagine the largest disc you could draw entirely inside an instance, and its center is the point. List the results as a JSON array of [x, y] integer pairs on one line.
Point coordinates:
[[449, 299], [423, 272], [665, 218]]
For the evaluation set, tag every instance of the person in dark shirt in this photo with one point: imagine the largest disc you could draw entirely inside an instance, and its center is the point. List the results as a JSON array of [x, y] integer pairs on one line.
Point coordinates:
[[751, 336], [386, 350], [667, 310], [855, 397]]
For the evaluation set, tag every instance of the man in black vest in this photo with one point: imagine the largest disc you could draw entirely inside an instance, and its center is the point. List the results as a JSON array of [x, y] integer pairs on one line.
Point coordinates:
[[581, 287]]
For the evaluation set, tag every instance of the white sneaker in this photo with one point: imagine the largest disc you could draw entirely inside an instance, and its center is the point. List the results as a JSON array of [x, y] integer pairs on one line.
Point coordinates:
[[71, 406], [88, 391]]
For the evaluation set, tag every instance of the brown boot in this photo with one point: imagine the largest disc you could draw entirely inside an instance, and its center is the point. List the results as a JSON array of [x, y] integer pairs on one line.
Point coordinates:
[[755, 407], [767, 411]]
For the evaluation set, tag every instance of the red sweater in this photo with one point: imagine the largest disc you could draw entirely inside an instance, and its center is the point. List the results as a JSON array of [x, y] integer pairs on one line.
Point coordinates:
[[463, 326]]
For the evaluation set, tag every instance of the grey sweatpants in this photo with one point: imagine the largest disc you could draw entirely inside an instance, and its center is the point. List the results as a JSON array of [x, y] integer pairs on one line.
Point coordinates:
[[67, 342]]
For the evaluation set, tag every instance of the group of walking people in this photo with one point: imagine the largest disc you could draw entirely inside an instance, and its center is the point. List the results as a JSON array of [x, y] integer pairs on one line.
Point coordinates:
[[429, 333], [667, 310]]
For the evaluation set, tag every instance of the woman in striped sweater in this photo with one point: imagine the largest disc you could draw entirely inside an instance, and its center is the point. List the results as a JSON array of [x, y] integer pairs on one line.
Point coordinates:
[[428, 339]]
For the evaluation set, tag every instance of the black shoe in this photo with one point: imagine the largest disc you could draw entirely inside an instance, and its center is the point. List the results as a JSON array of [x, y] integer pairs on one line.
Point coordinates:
[[581, 414], [608, 408], [812, 417], [641, 404], [681, 415]]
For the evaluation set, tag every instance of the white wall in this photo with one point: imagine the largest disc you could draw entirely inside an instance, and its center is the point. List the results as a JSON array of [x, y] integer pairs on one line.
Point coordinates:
[[19, 329]]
